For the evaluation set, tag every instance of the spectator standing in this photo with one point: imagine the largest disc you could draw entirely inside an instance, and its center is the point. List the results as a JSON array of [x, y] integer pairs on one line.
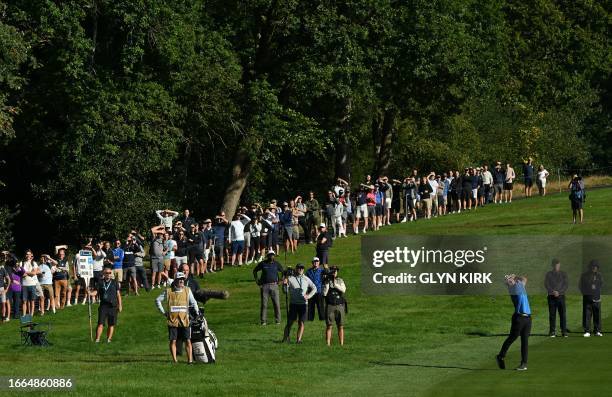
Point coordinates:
[[556, 286], [118, 255], [312, 217], [268, 286], [315, 274], [499, 178], [509, 183], [577, 197], [166, 218], [236, 237], [108, 292], [324, 243], [28, 283], [528, 172], [300, 289], [541, 180], [591, 283]]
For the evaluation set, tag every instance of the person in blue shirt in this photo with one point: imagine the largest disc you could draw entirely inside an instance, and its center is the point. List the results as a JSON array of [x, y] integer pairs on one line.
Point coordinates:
[[521, 320], [118, 255], [315, 274]]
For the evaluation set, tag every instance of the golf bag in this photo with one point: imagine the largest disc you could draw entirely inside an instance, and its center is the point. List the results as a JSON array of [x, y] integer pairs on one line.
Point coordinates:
[[203, 341]]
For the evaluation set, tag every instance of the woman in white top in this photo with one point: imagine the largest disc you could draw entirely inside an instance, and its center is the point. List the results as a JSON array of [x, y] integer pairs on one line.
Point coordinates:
[[541, 181]]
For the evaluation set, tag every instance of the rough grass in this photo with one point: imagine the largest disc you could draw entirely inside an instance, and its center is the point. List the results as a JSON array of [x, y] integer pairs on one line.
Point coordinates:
[[396, 345]]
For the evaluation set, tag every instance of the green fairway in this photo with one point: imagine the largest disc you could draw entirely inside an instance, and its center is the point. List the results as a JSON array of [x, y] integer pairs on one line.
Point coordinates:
[[395, 345]]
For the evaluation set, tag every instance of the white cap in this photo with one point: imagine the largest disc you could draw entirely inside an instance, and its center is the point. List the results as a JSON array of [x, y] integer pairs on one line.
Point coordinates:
[[322, 225], [271, 252], [316, 259], [179, 275]]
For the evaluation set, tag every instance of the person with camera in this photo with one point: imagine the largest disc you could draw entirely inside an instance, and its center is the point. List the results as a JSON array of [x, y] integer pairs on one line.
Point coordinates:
[[300, 289], [108, 292], [577, 197], [335, 312], [521, 320], [268, 285], [591, 283]]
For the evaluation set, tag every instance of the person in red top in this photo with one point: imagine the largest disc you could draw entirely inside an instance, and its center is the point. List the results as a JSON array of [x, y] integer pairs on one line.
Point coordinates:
[[371, 201]]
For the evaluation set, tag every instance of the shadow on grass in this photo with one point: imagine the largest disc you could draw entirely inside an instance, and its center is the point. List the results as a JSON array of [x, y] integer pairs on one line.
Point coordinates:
[[486, 334], [431, 366], [523, 224]]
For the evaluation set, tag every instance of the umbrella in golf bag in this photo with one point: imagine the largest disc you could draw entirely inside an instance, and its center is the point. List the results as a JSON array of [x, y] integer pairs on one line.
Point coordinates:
[[203, 340]]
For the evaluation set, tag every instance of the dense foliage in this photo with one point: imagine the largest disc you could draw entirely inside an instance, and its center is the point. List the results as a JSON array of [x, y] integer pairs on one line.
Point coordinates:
[[110, 109]]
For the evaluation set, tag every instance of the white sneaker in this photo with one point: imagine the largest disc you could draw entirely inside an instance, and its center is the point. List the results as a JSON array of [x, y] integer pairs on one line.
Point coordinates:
[[587, 334], [404, 220], [598, 334], [68, 304]]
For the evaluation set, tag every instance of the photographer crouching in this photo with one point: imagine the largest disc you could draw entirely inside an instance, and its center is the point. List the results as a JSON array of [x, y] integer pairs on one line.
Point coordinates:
[[300, 288], [333, 291]]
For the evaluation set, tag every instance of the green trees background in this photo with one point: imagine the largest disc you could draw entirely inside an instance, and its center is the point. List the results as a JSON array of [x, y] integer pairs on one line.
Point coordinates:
[[110, 109]]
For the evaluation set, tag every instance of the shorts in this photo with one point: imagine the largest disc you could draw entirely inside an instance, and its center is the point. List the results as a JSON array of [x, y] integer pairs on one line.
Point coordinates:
[[118, 274], [411, 203], [199, 255], [296, 232], [218, 251], [379, 209], [542, 183], [237, 247], [387, 204], [466, 195], [335, 314], [49, 289], [247, 239], [28, 294], [361, 211], [288, 232], [508, 186], [475, 193], [498, 187], [107, 314], [576, 205], [323, 256], [39, 291], [130, 272], [167, 263], [183, 333], [426, 204], [157, 265], [442, 200], [528, 182], [180, 260], [2, 295], [297, 312], [371, 211]]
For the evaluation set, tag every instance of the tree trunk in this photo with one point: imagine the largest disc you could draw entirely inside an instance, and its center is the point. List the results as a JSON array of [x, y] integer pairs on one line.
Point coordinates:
[[384, 137], [240, 175], [242, 164], [343, 148]]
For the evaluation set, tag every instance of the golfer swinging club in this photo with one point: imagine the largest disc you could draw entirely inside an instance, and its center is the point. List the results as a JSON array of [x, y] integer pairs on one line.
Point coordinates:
[[177, 299], [521, 320]]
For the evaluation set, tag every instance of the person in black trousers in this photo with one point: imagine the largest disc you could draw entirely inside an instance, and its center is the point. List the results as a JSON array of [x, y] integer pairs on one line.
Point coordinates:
[[556, 285], [590, 287], [521, 321]]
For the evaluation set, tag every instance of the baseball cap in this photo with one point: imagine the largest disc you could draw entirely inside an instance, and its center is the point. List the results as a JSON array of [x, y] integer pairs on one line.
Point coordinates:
[[594, 263], [270, 252], [316, 259], [179, 276], [322, 225], [208, 220], [299, 266]]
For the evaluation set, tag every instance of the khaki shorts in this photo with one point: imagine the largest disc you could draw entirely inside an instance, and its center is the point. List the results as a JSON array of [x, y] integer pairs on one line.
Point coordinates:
[[48, 288], [167, 264], [118, 274], [335, 314]]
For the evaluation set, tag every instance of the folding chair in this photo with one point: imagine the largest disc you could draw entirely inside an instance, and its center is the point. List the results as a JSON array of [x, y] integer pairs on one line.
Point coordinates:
[[30, 336]]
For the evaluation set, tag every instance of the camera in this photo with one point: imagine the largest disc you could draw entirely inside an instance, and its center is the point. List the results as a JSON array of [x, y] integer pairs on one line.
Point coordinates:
[[329, 274], [288, 272]]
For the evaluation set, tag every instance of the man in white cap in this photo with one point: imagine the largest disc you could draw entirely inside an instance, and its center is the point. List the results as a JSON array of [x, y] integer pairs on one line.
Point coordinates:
[[300, 289], [268, 285], [178, 299], [315, 274], [324, 242]]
